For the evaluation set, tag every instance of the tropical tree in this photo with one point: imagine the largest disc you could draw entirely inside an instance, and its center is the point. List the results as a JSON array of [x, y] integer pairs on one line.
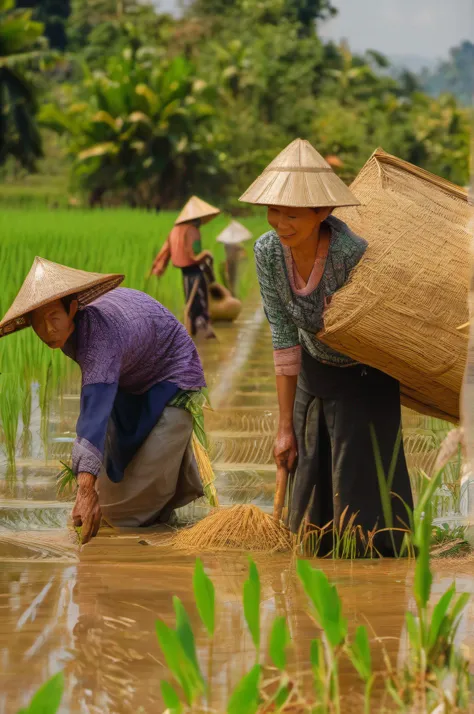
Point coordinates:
[[141, 129], [442, 129], [53, 14], [99, 29], [353, 78], [305, 12], [22, 50]]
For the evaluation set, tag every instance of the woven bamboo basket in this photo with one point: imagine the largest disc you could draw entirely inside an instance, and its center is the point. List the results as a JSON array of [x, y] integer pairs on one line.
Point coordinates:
[[405, 300]]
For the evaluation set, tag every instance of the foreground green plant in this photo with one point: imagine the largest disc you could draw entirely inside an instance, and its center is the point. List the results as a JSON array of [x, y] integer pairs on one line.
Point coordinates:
[[433, 678], [433, 675], [48, 698]]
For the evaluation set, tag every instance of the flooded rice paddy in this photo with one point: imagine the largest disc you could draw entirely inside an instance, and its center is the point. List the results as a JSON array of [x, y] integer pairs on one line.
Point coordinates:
[[92, 614]]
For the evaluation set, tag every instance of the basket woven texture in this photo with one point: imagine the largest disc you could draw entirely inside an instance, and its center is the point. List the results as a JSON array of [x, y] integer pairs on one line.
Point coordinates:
[[400, 310]]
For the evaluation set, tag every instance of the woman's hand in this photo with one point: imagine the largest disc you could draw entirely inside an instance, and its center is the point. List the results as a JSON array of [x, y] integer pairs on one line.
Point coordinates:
[[86, 511], [285, 450]]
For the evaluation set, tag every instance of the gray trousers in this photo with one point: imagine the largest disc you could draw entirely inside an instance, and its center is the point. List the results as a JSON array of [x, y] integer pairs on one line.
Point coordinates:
[[163, 475]]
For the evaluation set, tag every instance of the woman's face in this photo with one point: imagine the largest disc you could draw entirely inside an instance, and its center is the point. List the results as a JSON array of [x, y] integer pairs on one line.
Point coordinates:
[[53, 323], [295, 225]]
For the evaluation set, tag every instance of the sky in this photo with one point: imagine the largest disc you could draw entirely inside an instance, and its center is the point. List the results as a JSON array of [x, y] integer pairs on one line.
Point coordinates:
[[428, 28], [425, 28]]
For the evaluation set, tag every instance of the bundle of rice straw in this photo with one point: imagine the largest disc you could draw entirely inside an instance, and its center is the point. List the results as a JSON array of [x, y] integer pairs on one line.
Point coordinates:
[[206, 472], [401, 309], [241, 528], [194, 402]]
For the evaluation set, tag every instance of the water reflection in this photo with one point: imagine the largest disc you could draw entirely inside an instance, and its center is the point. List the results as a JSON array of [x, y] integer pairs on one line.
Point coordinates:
[[96, 621]]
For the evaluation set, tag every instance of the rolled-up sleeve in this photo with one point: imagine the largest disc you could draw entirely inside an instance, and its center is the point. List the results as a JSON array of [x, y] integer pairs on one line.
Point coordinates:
[[285, 338]]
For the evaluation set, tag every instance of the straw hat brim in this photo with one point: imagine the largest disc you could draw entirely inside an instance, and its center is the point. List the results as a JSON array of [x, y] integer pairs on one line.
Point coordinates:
[[203, 219], [234, 234], [17, 319], [299, 188], [197, 208]]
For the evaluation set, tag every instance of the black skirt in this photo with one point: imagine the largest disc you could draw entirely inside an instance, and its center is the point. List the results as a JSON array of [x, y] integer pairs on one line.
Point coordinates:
[[196, 296], [335, 408]]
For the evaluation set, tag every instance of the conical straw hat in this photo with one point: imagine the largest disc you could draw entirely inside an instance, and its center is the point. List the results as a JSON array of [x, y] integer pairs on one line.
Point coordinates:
[[234, 233], [49, 281], [197, 208], [301, 178]]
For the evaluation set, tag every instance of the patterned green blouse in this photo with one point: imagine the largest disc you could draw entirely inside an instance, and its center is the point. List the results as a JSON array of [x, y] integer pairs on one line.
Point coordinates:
[[295, 316]]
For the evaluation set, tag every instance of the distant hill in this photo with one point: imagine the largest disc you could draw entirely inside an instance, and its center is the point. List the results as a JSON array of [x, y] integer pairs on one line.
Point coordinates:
[[454, 75], [413, 63]]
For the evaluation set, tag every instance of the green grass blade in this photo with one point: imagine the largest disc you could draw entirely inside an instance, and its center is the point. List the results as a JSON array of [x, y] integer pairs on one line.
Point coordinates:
[[185, 634], [48, 697], [245, 697], [279, 640], [170, 698], [204, 593], [252, 604], [439, 614]]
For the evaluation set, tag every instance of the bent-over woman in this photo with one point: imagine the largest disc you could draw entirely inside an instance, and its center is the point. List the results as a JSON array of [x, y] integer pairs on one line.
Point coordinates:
[[133, 455]]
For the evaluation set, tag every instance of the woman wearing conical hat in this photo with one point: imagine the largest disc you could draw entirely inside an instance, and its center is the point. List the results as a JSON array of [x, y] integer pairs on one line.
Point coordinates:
[[327, 402], [232, 238], [183, 248], [133, 454]]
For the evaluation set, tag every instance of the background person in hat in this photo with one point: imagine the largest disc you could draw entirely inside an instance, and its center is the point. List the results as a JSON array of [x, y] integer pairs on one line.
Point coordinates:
[[133, 454], [327, 402], [183, 248], [232, 237]]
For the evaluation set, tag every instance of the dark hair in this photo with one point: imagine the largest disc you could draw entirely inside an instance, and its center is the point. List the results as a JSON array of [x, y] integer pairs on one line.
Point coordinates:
[[67, 300]]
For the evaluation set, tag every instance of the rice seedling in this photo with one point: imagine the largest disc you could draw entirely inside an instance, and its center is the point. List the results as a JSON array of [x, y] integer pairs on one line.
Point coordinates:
[[26, 437], [449, 541], [434, 676], [424, 437], [11, 396], [65, 480]]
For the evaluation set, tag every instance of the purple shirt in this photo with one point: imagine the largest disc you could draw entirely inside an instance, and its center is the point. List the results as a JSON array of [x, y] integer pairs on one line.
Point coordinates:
[[127, 343], [128, 337]]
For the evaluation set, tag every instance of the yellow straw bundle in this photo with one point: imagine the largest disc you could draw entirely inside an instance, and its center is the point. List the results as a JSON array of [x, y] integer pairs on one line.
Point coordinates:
[[205, 471], [240, 528]]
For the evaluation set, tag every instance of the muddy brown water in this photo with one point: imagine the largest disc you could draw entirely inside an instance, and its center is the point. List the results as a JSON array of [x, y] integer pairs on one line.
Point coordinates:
[[92, 614]]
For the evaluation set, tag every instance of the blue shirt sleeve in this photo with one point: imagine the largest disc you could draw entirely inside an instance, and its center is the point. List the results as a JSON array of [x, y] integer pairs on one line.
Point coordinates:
[[97, 401]]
